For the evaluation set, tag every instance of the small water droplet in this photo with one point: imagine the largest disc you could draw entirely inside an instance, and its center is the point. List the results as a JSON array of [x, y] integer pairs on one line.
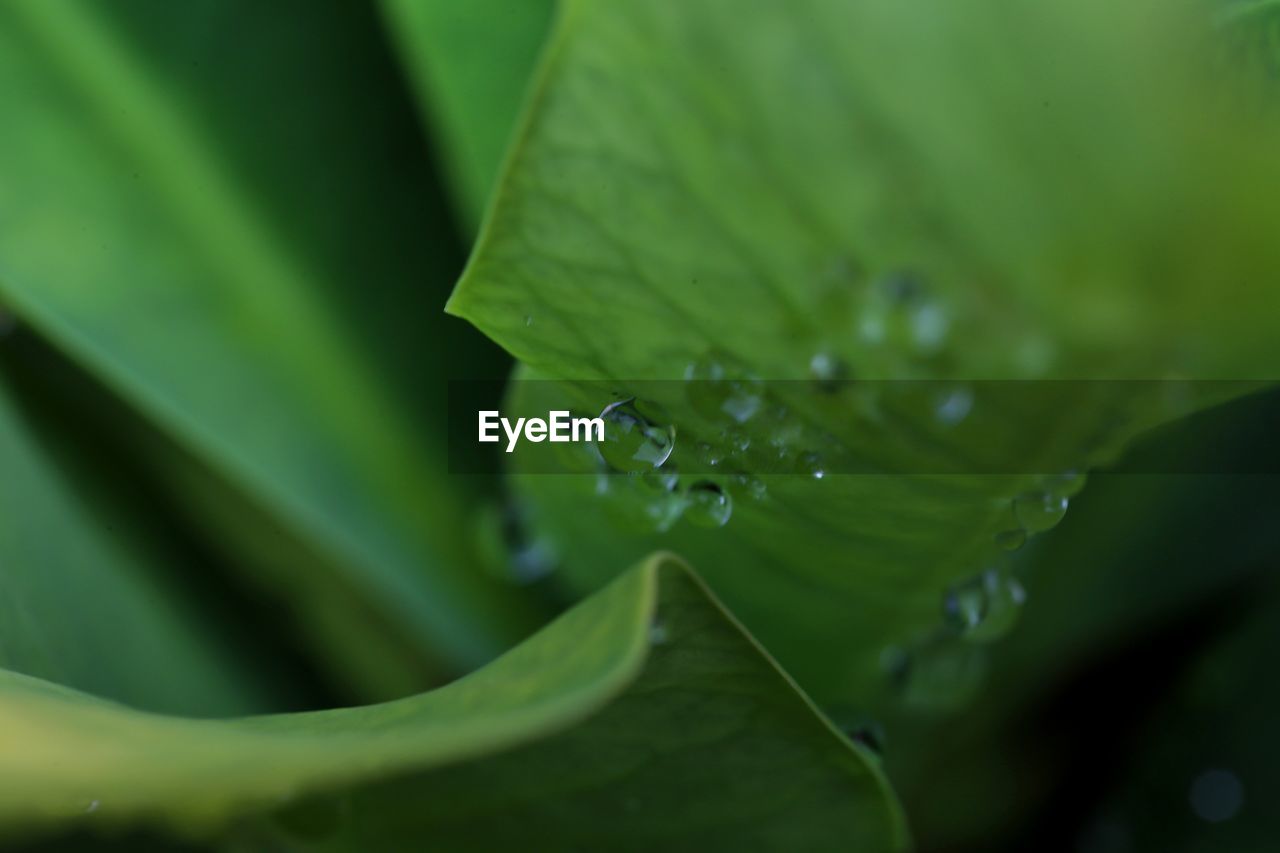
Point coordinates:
[[93, 806], [953, 406], [1037, 512], [709, 454], [753, 487], [528, 320], [828, 371], [736, 440], [664, 479], [984, 608], [658, 633], [636, 437], [533, 560], [716, 390], [1216, 795], [929, 326], [708, 505], [811, 463]]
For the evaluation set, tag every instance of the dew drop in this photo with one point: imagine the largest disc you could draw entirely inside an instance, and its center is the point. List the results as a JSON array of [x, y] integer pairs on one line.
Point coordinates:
[[1037, 512], [827, 371], [664, 479], [811, 463], [716, 391], [636, 436], [708, 505], [658, 633], [929, 326], [752, 487], [709, 455], [93, 806], [953, 406], [737, 441], [528, 320], [984, 608]]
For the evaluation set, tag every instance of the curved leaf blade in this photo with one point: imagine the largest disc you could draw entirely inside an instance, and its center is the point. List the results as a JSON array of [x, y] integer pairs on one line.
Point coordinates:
[[581, 733]]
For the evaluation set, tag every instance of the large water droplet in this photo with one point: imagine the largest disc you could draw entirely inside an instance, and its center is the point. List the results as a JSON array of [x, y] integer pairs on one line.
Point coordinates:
[[708, 505], [1037, 512], [637, 437]]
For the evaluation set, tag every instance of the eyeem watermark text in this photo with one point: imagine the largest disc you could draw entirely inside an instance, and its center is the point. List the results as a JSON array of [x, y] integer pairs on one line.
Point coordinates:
[[558, 426]]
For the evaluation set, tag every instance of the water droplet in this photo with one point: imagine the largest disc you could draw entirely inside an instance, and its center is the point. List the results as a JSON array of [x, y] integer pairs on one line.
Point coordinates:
[[533, 560], [984, 608], [1037, 512], [658, 633], [664, 479], [1011, 540], [1216, 795], [737, 441], [929, 326], [753, 487], [953, 406], [715, 390], [828, 371], [528, 320], [708, 505], [709, 454], [811, 463], [93, 806], [635, 440]]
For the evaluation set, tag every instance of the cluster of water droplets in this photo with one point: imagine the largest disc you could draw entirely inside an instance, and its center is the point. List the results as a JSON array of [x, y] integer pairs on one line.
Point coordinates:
[[1039, 510], [638, 472]]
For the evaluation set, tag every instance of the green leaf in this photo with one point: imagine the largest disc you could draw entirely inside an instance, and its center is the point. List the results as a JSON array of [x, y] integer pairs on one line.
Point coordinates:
[[82, 602], [136, 242], [471, 63], [693, 198], [644, 716]]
